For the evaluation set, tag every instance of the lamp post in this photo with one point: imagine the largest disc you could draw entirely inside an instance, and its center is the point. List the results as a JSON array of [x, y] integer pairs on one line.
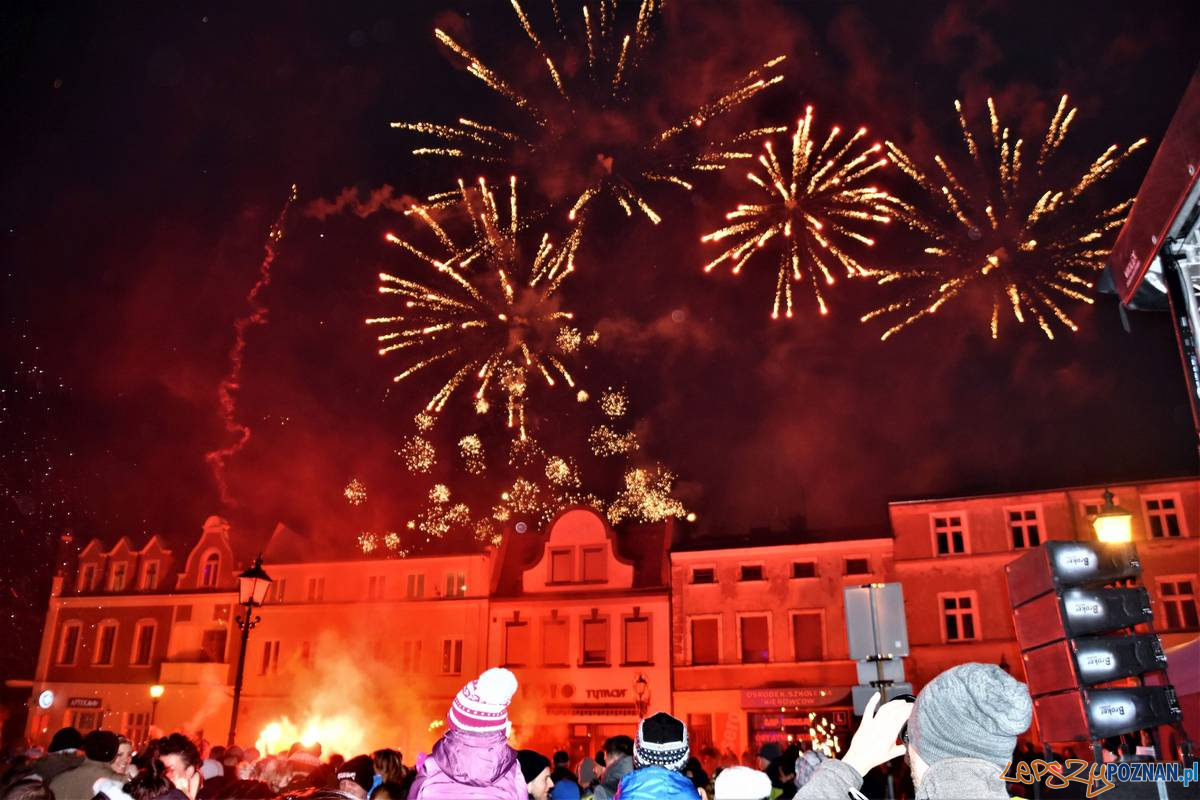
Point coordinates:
[[641, 694], [1113, 523], [252, 592], [156, 693]]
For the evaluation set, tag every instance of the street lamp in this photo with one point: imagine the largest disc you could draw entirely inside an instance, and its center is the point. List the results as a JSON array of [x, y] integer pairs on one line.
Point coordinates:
[[1113, 523], [156, 693], [641, 693], [252, 592]]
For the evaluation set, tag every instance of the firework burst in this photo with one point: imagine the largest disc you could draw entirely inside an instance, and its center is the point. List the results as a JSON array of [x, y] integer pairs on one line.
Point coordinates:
[[646, 497], [494, 318], [814, 205], [355, 492], [581, 131], [1008, 230]]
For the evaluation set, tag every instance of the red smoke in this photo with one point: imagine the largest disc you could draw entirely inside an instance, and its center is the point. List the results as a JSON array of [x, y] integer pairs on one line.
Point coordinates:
[[232, 380], [381, 198]]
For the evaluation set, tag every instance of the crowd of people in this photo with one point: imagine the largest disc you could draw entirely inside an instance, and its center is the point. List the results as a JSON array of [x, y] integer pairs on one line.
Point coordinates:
[[955, 740]]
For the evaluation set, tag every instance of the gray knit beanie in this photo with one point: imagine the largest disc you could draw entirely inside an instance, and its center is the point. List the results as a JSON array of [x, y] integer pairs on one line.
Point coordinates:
[[970, 711]]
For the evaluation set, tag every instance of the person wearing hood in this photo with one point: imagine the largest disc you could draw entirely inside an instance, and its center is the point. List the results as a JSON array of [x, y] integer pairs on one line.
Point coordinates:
[[472, 760], [618, 762], [660, 755], [99, 749], [961, 734], [66, 748]]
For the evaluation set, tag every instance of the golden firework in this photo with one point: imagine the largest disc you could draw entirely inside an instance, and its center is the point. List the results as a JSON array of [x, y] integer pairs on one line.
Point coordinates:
[[581, 130], [606, 441], [494, 319], [419, 454], [614, 402], [646, 497], [1009, 230], [355, 492], [367, 542], [815, 204], [470, 448]]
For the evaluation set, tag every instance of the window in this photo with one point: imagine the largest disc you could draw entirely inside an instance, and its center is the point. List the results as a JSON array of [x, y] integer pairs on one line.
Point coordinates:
[[804, 569], [220, 613], [68, 644], [451, 656], [595, 641], [316, 590], [594, 564], [212, 643], [561, 566], [410, 656], [637, 639], [279, 586], [706, 640], [1179, 603], [704, 575], [106, 644], [306, 654], [754, 632], [211, 570], [87, 578], [1025, 526], [958, 617], [143, 644], [858, 566], [750, 572], [183, 613], [808, 636], [416, 587], [1162, 517], [516, 643], [949, 535], [375, 587], [116, 581], [700, 730], [150, 576], [270, 659], [555, 643], [456, 584]]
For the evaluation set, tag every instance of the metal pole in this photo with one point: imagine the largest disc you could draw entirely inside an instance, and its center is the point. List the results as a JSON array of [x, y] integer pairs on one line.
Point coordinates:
[[237, 681], [153, 710], [878, 657]]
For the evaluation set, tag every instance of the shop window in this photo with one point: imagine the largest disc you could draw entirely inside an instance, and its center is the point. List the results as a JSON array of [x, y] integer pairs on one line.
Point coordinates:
[[561, 566], [804, 569], [704, 575], [1162, 517], [1178, 597], [452, 656], [595, 641], [555, 643], [1024, 527], [68, 644], [808, 636], [756, 639], [516, 643], [594, 564], [637, 640], [705, 641], [958, 617], [751, 572], [949, 535], [106, 644]]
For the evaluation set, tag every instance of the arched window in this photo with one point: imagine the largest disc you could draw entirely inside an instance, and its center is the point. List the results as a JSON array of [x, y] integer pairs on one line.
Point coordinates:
[[106, 643], [143, 643], [68, 644], [210, 568]]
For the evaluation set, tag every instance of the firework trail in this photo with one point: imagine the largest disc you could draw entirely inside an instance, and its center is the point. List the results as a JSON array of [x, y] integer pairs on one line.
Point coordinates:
[[496, 319], [581, 133], [382, 199], [813, 202], [231, 383], [1010, 231]]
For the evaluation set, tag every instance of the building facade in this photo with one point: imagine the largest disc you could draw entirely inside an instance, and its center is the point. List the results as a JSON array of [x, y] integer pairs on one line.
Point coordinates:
[[745, 639]]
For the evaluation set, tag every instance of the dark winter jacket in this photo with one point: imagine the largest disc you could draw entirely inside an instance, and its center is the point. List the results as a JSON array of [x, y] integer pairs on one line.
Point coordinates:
[[55, 764], [656, 783], [613, 774], [470, 766]]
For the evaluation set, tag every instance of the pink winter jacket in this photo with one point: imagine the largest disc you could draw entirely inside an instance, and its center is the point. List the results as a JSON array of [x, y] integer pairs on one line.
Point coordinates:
[[470, 766]]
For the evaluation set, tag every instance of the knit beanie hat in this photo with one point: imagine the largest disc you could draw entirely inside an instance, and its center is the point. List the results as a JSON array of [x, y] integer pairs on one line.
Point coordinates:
[[66, 739], [662, 741], [482, 705], [532, 764], [770, 751], [359, 769], [806, 765], [970, 711], [742, 783]]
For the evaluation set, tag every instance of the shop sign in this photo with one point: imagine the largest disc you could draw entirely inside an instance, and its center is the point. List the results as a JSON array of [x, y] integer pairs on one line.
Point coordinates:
[[83, 702], [801, 696]]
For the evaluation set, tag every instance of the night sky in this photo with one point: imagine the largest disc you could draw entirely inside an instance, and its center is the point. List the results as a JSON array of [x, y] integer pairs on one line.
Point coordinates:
[[149, 147]]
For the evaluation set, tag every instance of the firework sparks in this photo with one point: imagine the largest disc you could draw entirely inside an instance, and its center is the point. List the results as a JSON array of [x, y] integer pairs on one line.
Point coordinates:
[[470, 448], [367, 542], [419, 454], [498, 326], [605, 441], [583, 126], [814, 204], [646, 497], [614, 403], [1010, 231], [562, 472], [441, 516], [424, 422], [355, 492], [227, 390]]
